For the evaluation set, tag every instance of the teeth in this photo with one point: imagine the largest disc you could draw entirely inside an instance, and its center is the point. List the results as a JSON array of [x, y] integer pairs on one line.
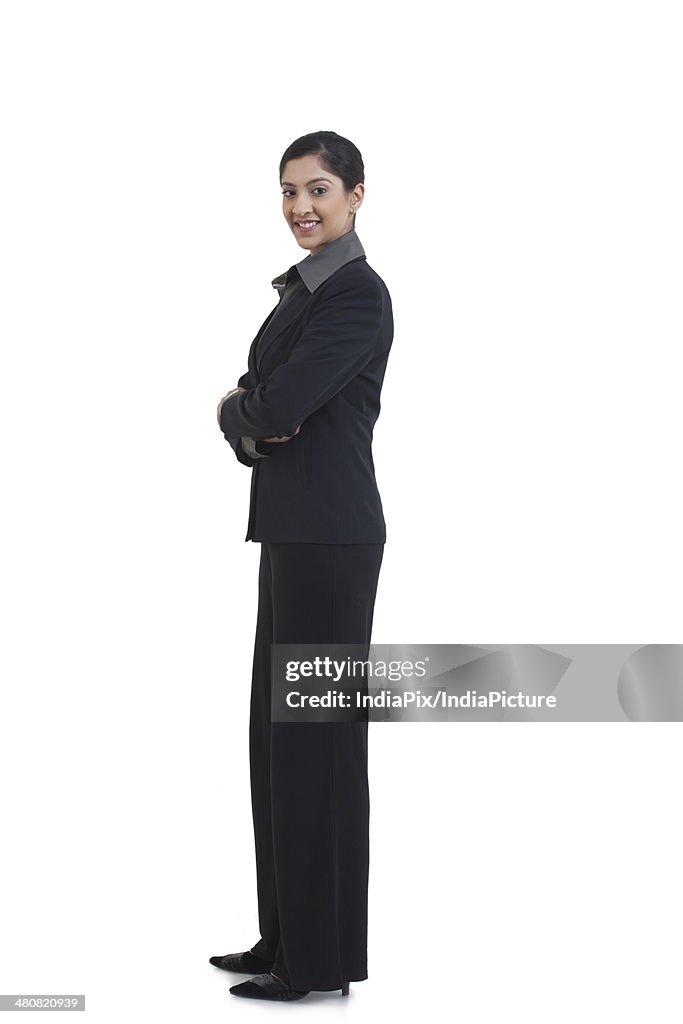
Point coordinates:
[[307, 223]]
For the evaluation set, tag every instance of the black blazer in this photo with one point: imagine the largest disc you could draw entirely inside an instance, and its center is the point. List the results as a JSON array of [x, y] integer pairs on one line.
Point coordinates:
[[320, 365]]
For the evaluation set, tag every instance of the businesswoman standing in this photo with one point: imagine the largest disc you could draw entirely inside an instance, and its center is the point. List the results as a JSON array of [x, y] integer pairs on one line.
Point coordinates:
[[302, 418]]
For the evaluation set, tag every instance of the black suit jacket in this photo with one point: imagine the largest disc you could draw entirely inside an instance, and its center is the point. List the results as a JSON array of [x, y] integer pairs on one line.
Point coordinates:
[[320, 365]]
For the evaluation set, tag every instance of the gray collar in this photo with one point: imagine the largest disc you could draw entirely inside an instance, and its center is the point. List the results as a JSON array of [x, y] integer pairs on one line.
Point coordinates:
[[316, 269]]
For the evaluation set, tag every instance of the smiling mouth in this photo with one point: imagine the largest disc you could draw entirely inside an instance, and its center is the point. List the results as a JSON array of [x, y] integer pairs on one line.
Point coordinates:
[[306, 225]]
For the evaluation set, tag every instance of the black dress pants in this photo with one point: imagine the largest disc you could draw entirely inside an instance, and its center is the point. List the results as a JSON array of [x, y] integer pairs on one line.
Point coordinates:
[[309, 780]]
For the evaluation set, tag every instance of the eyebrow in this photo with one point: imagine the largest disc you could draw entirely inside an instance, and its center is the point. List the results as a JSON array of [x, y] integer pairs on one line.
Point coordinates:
[[308, 182]]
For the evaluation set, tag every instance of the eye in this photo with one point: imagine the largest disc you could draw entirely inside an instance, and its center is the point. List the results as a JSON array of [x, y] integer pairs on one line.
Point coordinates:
[[288, 192]]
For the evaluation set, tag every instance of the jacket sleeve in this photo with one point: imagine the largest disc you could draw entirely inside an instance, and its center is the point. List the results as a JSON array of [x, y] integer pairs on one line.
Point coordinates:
[[336, 343], [244, 447]]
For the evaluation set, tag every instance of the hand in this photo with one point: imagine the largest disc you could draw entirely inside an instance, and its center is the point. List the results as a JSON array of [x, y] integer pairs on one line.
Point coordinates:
[[224, 399], [284, 438]]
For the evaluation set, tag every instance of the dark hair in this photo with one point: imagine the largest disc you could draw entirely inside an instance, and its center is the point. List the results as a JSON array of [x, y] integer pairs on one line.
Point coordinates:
[[336, 154]]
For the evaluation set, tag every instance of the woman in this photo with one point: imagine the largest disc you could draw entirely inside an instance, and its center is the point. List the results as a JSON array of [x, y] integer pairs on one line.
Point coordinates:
[[302, 417]]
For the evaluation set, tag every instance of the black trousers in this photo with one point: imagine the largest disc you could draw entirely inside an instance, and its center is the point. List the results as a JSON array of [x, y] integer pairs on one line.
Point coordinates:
[[309, 780]]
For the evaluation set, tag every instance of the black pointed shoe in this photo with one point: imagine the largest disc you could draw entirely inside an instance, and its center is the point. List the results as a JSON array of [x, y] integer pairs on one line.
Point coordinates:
[[267, 986], [242, 963]]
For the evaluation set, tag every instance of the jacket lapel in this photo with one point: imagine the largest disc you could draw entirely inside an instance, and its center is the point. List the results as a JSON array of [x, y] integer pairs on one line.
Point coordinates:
[[277, 325], [251, 361]]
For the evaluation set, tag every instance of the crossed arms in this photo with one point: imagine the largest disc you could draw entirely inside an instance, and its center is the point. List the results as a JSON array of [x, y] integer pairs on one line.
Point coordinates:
[[337, 342]]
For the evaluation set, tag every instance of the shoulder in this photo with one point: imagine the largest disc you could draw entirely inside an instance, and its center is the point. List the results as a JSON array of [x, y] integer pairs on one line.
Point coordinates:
[[355, 276]]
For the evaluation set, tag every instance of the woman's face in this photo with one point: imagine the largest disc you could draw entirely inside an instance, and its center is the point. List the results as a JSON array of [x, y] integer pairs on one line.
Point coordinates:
[[310, 193]]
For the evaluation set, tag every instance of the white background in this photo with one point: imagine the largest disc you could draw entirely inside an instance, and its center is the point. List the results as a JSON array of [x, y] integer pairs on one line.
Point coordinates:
[[523, 205]]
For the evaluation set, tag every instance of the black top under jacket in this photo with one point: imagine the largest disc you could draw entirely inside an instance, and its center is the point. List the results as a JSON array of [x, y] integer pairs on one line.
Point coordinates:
[[318, 361]]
